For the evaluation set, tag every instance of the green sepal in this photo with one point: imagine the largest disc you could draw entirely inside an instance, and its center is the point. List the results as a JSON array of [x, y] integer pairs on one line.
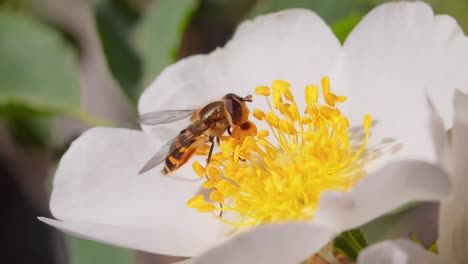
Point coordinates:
[[350, 243], [433, 248]]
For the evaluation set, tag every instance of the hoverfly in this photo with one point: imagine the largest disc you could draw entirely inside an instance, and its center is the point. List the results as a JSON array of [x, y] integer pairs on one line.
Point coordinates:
[[208, 124]]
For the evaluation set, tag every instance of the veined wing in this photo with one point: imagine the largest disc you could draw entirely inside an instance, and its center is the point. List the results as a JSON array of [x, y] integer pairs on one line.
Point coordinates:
[[158, 158], [164, 116], [185, 138]]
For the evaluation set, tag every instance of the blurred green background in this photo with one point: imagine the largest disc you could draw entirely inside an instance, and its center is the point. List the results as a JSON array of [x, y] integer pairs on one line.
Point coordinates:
[[67, 65]]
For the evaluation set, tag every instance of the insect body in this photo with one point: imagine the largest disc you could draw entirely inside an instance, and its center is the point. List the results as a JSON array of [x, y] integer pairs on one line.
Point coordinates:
[[209, 123]]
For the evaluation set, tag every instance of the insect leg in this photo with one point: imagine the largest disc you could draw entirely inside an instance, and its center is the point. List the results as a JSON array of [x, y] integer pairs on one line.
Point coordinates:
[[208, 162], [220, 211], [210, 152]]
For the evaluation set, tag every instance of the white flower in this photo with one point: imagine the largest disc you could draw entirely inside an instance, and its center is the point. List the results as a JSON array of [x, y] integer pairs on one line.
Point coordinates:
[[298, 239], [453, 215], [398, 52]]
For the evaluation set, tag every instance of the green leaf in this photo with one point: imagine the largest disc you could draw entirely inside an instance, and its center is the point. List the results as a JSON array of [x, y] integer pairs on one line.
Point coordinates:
[[343, 27], [350, 243], [160, 33], [38, 78], [27, 126], [37, 66], [115, 20], [455, 8], [31, 131], [331, 11], [85, 251], [12, 4]]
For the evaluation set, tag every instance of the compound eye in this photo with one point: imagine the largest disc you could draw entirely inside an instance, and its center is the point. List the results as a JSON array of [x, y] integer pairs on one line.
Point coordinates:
[[233, 108]]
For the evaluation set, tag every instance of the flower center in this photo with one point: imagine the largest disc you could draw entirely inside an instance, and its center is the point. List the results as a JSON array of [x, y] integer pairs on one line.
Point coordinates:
[[279, 178]]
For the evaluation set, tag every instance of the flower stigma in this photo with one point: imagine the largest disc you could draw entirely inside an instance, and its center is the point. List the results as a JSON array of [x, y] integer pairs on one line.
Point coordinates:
[[279, 177]]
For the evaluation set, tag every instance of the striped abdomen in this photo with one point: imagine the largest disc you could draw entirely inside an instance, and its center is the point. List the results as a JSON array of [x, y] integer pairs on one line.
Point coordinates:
[[184, 146]]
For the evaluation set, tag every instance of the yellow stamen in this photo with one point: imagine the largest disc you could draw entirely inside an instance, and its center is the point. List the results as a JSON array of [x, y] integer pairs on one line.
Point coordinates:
[[263, 90], [198, 168], [280, 177], [199, 203], [259, 114]]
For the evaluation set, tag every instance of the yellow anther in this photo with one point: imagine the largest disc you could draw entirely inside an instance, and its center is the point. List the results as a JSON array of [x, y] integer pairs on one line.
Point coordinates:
[[198, 168], [325, 82], [212, 172], [277, 99], [281, 85], [293, 112], [242, 203], [341, 99], [214, 161], [210, 183], [327, 112], [288, 95], [280, 177], [227, 188], [367, 122], [305, 120], [227, 148], [206, 208], [198, 202], [272, 119], [263, 133], [216, 157], [344, 121], [287, 127], [284, 126], [330, 99], [237, 152], [262, 90], [311, 94], [217, 196], [259, 114], [248, 144]]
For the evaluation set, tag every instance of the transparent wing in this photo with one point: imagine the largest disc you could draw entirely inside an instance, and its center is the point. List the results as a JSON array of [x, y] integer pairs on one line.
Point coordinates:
[[158, 158], [165, 116], [185, 137]]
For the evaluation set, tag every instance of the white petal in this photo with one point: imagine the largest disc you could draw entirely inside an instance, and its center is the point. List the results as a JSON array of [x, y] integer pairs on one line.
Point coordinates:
[[439, 136], [280, 243], [98, 194], [380, 192], [394, 55], [453, 217], [295, 45], [117, 235], [460, 139], [183, 84], [396, 252]]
